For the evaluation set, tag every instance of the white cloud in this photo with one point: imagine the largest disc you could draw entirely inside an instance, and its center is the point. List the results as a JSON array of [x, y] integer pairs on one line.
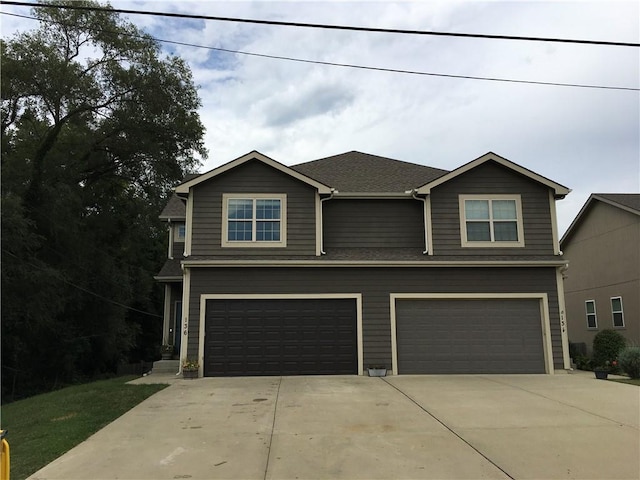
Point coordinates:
[[583, 138]]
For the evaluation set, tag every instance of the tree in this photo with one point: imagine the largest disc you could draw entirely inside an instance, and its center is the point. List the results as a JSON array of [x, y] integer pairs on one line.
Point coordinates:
[[97, 125]]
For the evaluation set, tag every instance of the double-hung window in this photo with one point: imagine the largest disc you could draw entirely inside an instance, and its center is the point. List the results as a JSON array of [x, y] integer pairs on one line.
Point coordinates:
[[617, 312], [254, 220], [491, 221], [590, 309], [179, 232]]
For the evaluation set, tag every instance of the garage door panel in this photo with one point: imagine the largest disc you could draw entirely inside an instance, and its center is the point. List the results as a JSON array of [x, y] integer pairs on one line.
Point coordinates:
[[469, 336], [280, 337]]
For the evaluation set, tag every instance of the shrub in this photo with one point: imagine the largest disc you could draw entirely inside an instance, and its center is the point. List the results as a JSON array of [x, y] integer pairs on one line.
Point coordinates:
[[629, 360], [606, 347]]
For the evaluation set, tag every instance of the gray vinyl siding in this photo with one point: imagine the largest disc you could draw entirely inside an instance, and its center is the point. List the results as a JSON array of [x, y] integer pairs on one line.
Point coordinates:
[[375, 284], [178, 249], [491, 178], [373, 224], [253, 177]]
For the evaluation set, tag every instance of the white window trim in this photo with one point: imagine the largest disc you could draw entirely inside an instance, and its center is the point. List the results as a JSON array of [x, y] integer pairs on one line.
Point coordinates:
[[595, 314], [621, 311], [493, 243], [254, 243]]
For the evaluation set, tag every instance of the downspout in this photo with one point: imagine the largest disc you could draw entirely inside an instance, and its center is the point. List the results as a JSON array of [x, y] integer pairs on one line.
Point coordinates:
[[424, 213], [170, 252], [322, 200]]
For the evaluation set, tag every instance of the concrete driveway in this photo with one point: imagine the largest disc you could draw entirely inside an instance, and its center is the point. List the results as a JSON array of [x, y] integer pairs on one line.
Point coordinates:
[[405, 427]]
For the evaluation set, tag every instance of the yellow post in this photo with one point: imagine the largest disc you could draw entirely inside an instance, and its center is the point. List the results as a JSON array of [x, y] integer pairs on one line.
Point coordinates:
[[5, 466]]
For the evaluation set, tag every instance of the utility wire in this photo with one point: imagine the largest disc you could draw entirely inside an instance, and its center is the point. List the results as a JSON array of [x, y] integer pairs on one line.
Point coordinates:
[[62, 279], [364, 67], [325, 26]]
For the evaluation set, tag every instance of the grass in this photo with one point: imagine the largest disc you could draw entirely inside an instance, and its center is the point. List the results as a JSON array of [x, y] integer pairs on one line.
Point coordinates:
[[43, 427], [630, 381]]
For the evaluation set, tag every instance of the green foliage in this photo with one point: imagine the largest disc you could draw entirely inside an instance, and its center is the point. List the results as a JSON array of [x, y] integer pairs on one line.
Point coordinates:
[[606, 347], [43, 427], [97, 125], [629, 360]]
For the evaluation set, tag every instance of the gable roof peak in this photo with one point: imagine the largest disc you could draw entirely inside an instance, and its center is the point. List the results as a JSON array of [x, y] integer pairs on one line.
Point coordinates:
[[183, 189], [560, 191]]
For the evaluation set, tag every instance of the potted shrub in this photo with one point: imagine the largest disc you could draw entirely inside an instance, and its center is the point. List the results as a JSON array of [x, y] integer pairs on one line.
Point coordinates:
[[602, 371], [190, 369], [377, 371], [166, 351]]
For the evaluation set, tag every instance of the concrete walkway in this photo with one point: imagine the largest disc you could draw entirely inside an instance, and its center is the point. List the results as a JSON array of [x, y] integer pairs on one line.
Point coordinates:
[[347, 427]]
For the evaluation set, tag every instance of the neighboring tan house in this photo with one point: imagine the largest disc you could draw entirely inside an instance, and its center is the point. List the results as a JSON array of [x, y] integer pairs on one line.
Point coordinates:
[[338, 264], [602, 285]]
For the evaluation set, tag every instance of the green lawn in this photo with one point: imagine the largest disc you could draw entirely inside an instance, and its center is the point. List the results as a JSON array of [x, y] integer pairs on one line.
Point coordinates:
[[43, 427], [630, 381]]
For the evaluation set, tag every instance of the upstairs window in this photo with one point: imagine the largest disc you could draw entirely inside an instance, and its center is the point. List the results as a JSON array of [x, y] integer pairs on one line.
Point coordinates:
[[616, 312], [257, 220], [179, 232], [491, 221], [590, 308]]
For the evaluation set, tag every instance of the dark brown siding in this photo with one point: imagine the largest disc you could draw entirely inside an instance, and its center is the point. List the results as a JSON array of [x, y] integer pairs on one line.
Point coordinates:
[[375, 285], [491, 178], [253, 177], [373, 224]]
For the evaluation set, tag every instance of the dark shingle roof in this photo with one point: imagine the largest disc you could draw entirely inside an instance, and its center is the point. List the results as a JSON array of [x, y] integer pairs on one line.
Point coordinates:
[[629, 200], [365, 173], [170, 269], [175, 209]]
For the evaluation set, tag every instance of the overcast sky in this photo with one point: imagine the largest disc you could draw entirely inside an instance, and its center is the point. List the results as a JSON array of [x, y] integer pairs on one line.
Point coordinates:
[[586, 139]]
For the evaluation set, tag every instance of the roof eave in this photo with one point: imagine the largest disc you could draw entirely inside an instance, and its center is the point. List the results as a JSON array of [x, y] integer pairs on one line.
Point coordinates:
[[183, 189], [373, 195], [371, 263], [168, 278], [560, 191], [578, 219]]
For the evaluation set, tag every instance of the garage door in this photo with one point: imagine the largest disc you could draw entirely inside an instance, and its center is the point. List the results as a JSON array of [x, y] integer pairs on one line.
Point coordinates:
[[469, 336], [280, 337]]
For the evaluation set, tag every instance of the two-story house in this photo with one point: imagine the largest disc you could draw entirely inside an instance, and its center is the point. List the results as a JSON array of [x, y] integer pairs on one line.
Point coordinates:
[[330, 266], [602, 285]]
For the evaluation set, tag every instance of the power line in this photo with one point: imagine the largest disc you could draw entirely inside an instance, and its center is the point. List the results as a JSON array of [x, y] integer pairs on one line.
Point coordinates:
[[328, 27], [379, 69], [63, 280]]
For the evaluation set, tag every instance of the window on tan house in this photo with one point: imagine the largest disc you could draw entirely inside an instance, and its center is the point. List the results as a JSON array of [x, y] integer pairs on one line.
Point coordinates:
[[590, 308], [617, 312]]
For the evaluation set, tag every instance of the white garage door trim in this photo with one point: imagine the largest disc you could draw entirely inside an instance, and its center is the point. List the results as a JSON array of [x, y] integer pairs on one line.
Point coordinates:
[[280, 296], [544, 318]]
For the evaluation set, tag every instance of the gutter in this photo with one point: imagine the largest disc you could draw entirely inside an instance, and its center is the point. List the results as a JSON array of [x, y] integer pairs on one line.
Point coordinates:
[[371, 263]]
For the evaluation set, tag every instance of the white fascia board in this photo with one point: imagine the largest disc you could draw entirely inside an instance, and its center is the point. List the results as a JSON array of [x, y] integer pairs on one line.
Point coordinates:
[[559, 190], [364, 263], [373, 195], [183, 189]]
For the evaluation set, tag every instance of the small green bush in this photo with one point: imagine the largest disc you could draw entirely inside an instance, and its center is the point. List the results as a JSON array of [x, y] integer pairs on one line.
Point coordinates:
[[607, 345], [629, 360]]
